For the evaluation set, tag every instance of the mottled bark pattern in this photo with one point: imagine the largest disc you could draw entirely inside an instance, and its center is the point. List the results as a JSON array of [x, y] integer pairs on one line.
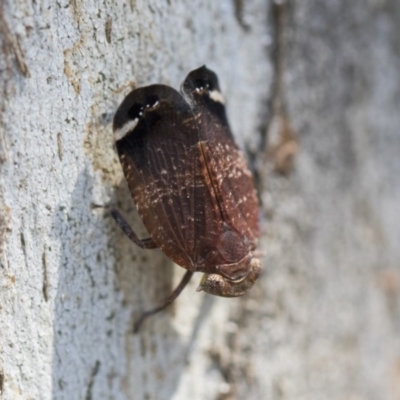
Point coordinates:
[[189, 181]]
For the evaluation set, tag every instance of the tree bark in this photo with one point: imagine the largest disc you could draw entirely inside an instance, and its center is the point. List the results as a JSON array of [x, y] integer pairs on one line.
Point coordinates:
[[313, 97]]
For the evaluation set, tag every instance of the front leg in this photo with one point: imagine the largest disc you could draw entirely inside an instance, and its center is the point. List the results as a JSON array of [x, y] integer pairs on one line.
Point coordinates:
[[126, 228], [177, 291]]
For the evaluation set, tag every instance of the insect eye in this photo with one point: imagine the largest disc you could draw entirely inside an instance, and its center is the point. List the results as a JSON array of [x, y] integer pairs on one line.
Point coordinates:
[[135, 111], [202, 84], [152, 100]]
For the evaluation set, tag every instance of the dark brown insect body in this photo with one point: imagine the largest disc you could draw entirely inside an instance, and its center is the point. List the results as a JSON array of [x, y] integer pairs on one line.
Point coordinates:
[[190, 183]]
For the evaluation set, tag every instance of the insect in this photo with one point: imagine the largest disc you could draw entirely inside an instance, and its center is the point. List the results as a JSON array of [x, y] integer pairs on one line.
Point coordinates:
[[190, 183]]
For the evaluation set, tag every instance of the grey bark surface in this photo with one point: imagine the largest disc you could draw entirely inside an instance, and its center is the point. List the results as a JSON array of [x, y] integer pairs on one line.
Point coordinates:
[[323, 322]]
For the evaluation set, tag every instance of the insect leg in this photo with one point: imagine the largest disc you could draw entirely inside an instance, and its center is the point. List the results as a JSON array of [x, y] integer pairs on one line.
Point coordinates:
[[185, 280], [123, 224]]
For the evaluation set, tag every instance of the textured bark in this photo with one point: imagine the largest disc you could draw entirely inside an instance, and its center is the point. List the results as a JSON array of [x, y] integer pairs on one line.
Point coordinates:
[[314, 82]]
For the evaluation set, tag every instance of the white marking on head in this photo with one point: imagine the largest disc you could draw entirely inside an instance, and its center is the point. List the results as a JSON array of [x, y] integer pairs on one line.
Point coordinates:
[[128, 127], [217, 96]]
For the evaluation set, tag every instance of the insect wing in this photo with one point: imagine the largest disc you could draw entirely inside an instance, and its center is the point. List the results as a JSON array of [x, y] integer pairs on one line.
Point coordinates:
[[231, 178], [157, 146]]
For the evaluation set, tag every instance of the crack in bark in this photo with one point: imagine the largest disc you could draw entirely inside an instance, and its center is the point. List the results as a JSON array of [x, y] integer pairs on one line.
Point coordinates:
[[278, 140], [95, 371], [45, 286], [12, 44]]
